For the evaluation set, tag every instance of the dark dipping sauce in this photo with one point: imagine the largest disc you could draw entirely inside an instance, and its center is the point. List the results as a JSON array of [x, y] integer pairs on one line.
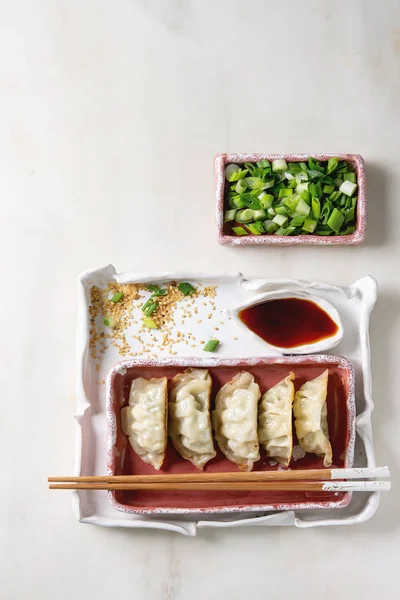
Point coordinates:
[[289, 322]]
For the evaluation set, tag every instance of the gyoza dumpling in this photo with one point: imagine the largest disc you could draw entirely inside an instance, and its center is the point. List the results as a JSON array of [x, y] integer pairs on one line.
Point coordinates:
[[311, 415], [189, 416], [145, 419], [275, 421], [235, 420]]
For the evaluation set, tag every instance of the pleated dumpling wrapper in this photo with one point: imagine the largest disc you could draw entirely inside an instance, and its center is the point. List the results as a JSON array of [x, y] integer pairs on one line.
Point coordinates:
[[311, 418], [189, 421], [145, 419], [235, 420], [275, 421]]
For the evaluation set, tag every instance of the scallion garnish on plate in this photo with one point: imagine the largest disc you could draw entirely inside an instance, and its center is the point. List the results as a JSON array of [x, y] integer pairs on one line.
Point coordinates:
[[149, 323], [211, 345], [110, 322], [186, 288], [117, 297], [157, 291]]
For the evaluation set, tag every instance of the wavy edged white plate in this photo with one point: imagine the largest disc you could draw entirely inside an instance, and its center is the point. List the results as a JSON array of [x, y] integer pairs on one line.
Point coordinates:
[[354, 304]]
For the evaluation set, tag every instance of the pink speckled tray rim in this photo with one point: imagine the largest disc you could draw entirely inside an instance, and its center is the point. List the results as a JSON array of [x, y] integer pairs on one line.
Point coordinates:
[[273, 240], [215, 362]]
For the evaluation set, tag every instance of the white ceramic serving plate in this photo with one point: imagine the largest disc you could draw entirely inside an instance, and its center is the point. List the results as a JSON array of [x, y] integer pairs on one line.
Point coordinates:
[[318, 346], [354, 304], [221, 160]]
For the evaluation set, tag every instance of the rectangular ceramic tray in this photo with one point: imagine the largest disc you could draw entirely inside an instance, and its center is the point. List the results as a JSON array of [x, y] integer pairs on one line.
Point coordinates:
[[122, 460], [354, 303], [221, 160]]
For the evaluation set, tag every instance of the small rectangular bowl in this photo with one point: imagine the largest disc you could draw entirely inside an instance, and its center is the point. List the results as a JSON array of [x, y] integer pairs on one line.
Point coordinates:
[[122, 460], [221, 160]]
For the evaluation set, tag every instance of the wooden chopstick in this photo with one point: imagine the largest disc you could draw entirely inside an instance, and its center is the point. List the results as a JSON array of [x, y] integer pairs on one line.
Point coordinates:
[[310, 475], [254, 486]]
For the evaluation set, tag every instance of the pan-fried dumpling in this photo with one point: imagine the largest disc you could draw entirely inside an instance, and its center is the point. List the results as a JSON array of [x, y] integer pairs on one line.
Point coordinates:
[[275, 421], [235, 420], [189, 416], [145, 419], [311, 415]]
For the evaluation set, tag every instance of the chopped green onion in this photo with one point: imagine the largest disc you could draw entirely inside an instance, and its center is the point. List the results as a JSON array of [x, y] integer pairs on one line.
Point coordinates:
[[325, 212], [251, 168], [241, 186], [110, 322], [303, 187], [186, 288], [281, 210], [279, 166], [316, 208], [332, 165], [302, 207], [307, 197], [297, 221], [294, 168], [117, 297], [147, 304], [260, 215], [348, 188], [149, 323], [336, 220], [263, 164], [310, 225], [211, 345], [335, 196], [268, 184], [315, 165], [280, 220], [314, 174], [157, 291], [285, 231], [245, 216], [230, 215], [229, 171], [236, 202], [349, 230], [301, 177], [254, 183], [283, 192], [251, 201], [266, 201], [350, 177], [270, 226], [238, 175], [239, 230], [150, 309], [289, 176], [256, 228]]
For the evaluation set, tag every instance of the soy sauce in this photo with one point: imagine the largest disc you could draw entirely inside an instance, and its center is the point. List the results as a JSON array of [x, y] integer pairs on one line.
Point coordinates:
[[289, 322]]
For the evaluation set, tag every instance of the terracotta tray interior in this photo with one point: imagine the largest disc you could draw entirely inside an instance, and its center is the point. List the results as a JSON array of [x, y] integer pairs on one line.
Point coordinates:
[[124, 461]]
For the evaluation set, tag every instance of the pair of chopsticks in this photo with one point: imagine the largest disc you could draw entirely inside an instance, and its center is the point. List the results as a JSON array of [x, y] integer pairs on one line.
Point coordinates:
[[318, 480]]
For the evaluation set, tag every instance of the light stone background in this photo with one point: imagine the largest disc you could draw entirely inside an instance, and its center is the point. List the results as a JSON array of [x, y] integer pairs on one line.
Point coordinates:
[[110, 114]]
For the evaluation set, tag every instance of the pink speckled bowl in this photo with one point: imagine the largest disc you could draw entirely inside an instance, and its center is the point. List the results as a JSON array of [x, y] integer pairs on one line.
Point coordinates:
[[122, 460], [221, 160]]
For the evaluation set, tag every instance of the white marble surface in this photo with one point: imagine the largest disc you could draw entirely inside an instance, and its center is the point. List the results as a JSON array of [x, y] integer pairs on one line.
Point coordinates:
[[110, 114]]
